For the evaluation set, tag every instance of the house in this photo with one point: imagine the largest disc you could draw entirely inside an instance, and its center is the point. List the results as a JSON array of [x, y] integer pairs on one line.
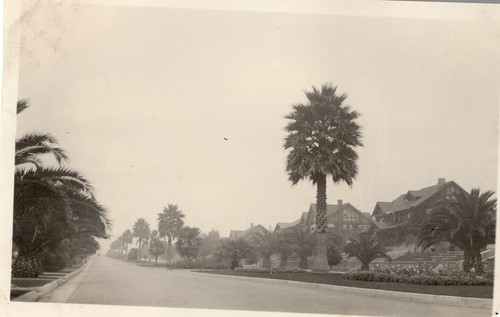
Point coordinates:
[[246, 234], [286, 226], [343, 220], [414, 205]]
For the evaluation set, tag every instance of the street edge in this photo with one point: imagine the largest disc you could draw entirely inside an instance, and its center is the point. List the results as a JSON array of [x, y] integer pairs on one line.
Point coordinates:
[[474, 302], [38, 292]]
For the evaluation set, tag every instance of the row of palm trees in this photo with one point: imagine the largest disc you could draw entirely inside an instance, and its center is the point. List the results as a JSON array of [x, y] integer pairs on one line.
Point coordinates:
[[171, 228], [322, 141], [57, 217]]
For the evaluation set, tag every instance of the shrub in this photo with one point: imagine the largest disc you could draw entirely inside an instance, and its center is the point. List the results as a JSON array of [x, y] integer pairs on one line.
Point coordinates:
[[423, 274], [133, 254]]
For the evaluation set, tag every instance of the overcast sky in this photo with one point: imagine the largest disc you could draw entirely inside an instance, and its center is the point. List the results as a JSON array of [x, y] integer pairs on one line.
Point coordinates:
[[143, 100]]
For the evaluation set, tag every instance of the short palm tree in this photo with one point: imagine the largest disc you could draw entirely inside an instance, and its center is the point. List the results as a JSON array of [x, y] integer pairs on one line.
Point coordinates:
[[304, 243], [467, 221], [266, 243], [323, 135], [233, 251], [141, 230], [285, 248], [51, 204], [365, 248]]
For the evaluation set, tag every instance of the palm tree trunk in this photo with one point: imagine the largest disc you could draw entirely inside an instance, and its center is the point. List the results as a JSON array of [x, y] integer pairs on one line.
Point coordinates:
[[140, 248], [365, 267], [320, 264], [473, 260]]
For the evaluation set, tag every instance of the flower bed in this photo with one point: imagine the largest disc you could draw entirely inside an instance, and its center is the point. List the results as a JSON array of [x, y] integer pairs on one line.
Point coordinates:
[[422, 274]]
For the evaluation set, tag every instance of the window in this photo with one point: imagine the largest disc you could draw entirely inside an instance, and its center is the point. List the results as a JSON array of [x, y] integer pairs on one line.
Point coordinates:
[[365, 227], [344, 227], [350, 227], [350, 216], [331, 225]]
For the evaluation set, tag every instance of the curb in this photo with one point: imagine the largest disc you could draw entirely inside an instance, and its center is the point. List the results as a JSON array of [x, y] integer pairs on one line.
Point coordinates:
[[484, 303], [37, 292]]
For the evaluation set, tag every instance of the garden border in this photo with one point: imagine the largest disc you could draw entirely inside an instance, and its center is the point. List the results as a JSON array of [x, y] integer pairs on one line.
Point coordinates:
[[36, 293], [484, 303]]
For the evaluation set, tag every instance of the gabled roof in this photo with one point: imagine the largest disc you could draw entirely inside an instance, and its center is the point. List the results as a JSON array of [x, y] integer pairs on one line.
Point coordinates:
[[285, 225], [238, 234], [411, 198]]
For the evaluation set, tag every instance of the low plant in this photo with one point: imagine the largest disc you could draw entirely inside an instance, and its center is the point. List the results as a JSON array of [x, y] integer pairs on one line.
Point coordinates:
[[422, 274]]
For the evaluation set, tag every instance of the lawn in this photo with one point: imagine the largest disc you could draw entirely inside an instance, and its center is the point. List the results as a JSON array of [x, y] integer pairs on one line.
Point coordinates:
[[337, 279]]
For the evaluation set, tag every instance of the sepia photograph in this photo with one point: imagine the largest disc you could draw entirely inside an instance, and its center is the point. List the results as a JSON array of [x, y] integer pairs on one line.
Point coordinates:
[[249, 158]]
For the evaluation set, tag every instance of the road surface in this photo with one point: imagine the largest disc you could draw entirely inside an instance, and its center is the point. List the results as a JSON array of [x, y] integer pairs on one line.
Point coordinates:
[[109, 281]]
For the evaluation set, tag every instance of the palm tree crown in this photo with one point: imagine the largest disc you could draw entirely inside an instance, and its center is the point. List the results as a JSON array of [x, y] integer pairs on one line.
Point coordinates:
[[322, 137], [170, 222], [366, 248]]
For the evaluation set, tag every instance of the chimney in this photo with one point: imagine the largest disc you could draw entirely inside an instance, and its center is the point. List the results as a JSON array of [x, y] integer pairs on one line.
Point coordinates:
[[339, 202], [441, 181], [251, 225]]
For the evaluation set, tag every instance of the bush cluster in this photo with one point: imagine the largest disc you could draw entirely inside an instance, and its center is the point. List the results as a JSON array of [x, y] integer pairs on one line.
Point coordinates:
[[199, 264], [423, 274]]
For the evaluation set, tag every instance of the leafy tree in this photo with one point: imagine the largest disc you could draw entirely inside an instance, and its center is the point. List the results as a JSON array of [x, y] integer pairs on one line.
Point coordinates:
[[467, 221], [170, 222], [366, 248], [188, 242], [141, 231], [266, 243], [156, 247], [323, 135], [133, 254], [333, 255], [209, 244], [233, 252]]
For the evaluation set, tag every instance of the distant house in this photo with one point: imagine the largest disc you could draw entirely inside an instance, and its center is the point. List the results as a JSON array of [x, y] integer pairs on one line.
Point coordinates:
[[286, 226], [343, 220], [413, 205], [246, 234]]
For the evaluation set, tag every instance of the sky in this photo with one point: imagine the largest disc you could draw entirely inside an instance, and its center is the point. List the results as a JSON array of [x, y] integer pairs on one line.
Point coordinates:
[[143, 100]]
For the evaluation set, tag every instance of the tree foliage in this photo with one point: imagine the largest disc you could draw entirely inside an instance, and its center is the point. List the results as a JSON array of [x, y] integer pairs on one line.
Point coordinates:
[[365, 248], [468, 221]]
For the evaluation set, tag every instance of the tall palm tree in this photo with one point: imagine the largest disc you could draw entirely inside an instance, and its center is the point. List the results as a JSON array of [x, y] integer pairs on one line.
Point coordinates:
[[141, 231], [170, 222], [467, 221], [323, 135], [366, 248], [266, 243]]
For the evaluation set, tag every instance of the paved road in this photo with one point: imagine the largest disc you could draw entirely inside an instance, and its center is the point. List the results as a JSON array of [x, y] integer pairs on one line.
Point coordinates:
[[109, 281]]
